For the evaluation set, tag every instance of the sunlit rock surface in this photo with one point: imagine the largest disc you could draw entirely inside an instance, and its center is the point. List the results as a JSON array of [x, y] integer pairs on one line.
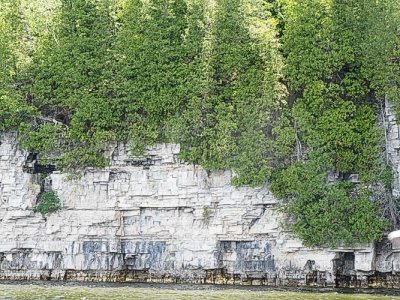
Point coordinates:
[[156, 219]]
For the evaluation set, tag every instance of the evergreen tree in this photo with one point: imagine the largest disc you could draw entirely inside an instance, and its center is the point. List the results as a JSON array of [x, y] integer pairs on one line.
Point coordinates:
[[235, 106], [13, 109], [333, 124], [66, 81], [153, 67]]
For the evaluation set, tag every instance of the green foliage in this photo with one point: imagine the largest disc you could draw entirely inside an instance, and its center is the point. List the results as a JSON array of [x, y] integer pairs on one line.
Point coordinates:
[[227, 118], [284, 91], [153, 67], [65, 83], [143, 73], [327, 214], [332, 124], [348, 133], [380, 42], [13, 109], [206, 214], [48, 203]]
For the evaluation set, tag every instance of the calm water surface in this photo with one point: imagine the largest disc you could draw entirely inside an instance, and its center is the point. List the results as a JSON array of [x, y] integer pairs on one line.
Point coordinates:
[[47, 292]]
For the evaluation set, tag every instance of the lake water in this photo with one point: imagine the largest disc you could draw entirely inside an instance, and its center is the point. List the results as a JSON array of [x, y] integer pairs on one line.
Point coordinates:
[[114, 292]]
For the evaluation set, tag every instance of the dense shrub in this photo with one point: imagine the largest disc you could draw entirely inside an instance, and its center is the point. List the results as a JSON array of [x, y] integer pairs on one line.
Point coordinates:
[[48, 203]]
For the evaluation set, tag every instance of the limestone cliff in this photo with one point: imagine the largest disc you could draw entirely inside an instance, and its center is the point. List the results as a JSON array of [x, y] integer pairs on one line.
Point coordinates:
[[157, 219]]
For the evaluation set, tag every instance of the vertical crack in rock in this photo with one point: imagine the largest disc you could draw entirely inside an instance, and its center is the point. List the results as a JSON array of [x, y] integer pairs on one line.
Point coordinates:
[[32, 165]]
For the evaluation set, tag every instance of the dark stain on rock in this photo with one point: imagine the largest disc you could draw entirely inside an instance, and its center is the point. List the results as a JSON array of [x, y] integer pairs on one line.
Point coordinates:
[[248, 258], [142, 255], [343, 268]]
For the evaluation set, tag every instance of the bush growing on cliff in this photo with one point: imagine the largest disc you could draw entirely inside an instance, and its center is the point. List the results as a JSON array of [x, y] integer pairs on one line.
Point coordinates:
[[48, 202], [327, 214]]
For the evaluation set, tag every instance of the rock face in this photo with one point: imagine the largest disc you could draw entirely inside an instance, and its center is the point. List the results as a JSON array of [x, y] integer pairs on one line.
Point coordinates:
[[156, 219]]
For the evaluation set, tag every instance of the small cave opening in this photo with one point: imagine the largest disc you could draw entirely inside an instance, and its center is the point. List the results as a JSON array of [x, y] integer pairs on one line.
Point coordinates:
[[33, 165]]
